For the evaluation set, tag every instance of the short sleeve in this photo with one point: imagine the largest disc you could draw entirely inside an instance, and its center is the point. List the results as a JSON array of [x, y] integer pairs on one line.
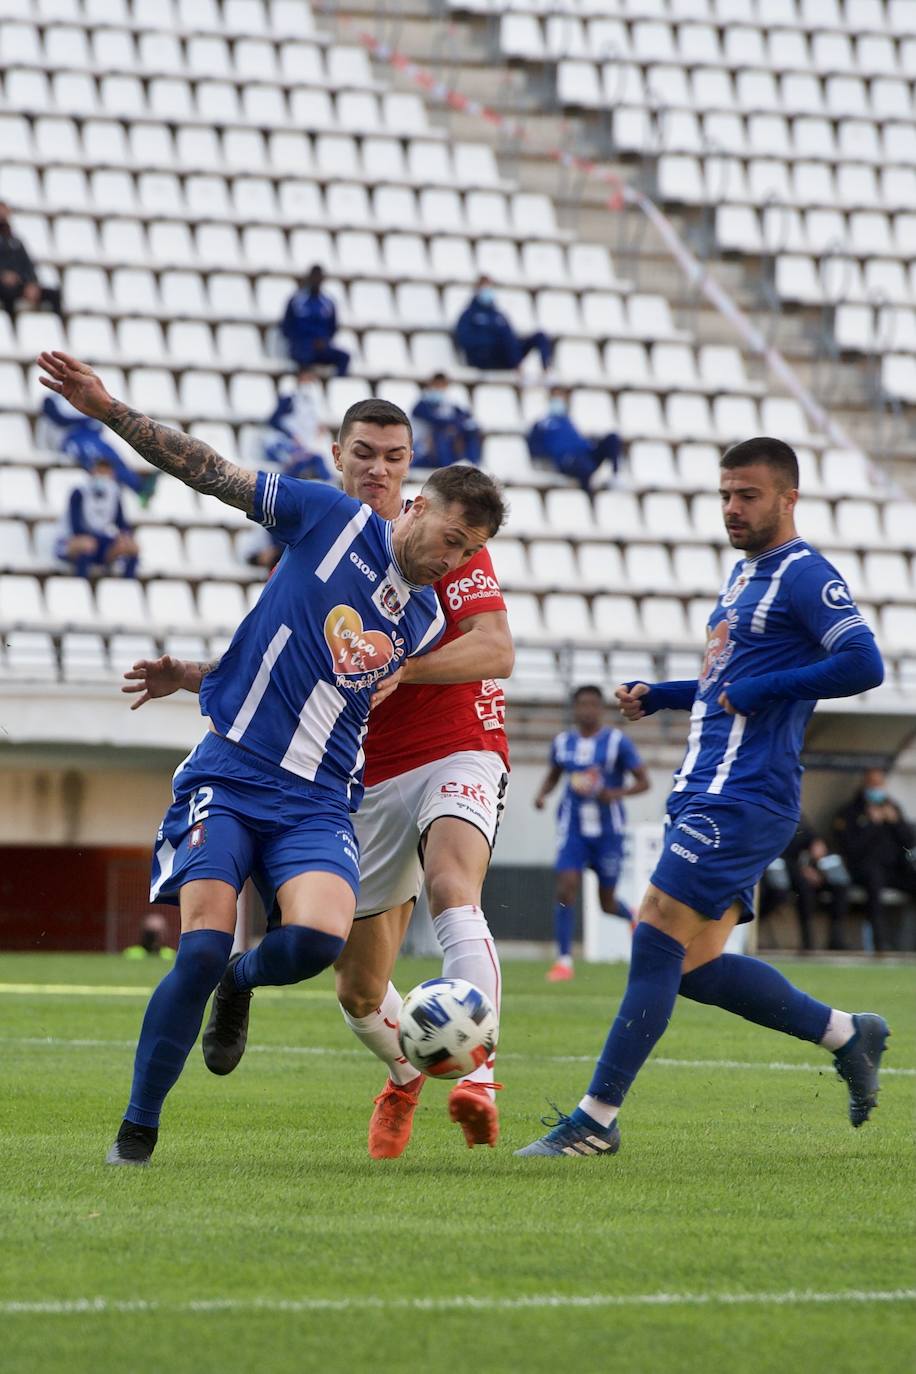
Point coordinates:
[[628, 756], [471, 590], [291, 508], [825, 606]]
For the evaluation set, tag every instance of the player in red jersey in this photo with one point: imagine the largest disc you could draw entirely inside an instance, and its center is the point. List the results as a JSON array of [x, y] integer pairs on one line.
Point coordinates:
[[436, 775]]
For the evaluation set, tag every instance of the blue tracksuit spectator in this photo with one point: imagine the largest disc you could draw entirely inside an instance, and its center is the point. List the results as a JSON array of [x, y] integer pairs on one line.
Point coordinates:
[[310, 324], [487, 340], [94, 534], [557, 439], [443, 433], [294, 433], [68, 431]]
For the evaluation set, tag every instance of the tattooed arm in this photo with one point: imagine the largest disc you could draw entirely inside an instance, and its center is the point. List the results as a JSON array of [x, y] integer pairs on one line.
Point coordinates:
[[192, 462], [160, 677]]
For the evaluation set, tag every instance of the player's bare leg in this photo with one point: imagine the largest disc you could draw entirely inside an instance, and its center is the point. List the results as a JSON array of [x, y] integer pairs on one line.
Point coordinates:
[[370, 1004], [174, 1013], [564, 920], [316, 912], [456, 857]]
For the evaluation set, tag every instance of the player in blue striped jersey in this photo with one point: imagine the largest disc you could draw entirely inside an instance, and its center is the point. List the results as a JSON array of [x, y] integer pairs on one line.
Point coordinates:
[[784, 632], [269, 791]]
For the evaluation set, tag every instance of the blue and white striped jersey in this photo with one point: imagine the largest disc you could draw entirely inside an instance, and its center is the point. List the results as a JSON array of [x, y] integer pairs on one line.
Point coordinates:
[[605, 757], [787, 608], [337, 616]]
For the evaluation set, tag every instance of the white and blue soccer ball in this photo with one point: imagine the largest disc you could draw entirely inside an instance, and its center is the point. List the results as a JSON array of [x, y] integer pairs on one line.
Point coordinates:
[[447, 1028]]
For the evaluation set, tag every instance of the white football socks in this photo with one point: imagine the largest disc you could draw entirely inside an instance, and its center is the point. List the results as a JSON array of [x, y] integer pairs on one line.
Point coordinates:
[[840, 1030], [599, 1111], [469, 953], [377, 1032]]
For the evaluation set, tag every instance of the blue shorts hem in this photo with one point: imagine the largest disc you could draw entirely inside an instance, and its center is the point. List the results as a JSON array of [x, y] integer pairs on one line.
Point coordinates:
[[746, 913]]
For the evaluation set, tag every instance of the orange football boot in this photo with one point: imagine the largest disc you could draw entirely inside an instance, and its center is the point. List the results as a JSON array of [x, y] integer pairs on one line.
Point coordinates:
[[560, 973], [472, 1106], [392, 1120]]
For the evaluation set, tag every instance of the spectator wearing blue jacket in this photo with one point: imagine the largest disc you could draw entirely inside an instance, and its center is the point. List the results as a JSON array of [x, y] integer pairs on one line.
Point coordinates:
[[486, 338], [310, 324], [443, 433], [94, 534], [68, 431], [557, 439], [294, 432]]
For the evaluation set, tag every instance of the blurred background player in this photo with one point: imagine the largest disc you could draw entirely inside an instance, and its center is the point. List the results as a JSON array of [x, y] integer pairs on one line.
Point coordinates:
[[596, 760], [486, 339], [783, 633], [64, 429], [877, 842], [19, 282], [94, 534], [556, 440], [309, 326], [443, 433], [295, 432]]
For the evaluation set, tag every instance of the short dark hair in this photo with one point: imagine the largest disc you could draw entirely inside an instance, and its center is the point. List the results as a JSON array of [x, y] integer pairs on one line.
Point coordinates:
[[588, 689], [777, 455], [373, 411], [480, 497]]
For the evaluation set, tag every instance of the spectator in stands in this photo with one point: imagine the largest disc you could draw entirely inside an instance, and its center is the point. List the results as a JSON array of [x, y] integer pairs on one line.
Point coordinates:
[[67, 431], [486, 338], [310, 324], [557, 439], [152, 940], [877, 842], [443, 433], [94, 535], [295, 432], [18, 278], [259, 549], [809, 869]]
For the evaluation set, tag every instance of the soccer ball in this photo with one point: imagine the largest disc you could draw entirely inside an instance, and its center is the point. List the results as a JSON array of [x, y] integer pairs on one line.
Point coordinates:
[[447, 1028]]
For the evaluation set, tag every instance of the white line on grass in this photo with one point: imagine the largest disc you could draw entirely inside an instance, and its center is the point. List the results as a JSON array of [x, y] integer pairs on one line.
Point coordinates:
[[61, 1042], [126, 990], [77, 1307]]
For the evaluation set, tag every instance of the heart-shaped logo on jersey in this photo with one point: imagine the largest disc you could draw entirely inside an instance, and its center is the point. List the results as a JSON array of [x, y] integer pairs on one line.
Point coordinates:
[[353, 649]]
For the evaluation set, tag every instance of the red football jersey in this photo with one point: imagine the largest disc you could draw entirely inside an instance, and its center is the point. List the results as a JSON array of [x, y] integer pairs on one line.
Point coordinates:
[[423, 722]]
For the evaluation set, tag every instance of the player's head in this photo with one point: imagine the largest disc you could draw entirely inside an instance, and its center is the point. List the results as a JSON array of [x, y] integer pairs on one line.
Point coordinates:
[[373, 452], [101, 468], [587, 707], [457, 511], [874, 785], [306, 377], [759, 490], [314, 279]]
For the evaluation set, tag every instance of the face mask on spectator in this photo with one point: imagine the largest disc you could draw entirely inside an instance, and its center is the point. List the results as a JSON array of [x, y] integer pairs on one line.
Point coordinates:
[[557, 405], [100, 485], [875, 794], [485, 295], [434, 396]]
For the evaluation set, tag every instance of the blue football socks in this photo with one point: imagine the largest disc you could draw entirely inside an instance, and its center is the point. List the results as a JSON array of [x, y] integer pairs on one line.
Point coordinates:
[[655, 973], [564, 924], [287, 954], [172, 1021], [758, 992]]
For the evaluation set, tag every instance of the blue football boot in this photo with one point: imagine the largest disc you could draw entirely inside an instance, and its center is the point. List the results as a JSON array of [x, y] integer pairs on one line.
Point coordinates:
[[575, 1135]]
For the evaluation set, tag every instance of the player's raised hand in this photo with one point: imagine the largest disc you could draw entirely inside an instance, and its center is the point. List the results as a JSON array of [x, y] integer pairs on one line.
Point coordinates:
[[76, 382], [387, 685], [629, 701], [157, 677]]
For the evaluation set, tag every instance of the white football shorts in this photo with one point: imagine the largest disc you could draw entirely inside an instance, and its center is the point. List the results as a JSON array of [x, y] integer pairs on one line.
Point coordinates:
[[396, 814]]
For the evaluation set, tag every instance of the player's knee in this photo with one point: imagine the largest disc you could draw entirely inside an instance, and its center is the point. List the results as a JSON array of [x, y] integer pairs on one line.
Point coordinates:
[[201, 963], [360, 992], [449, 887], [567, 890], [305, 952]]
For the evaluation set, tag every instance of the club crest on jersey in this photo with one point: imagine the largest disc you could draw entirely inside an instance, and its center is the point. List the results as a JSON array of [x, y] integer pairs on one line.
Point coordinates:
[[197, 836], [719, 650], [356, 651], [388, 600], [731, 594]]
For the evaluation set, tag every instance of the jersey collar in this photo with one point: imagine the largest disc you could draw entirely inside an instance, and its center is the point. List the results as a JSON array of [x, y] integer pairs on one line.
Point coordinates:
[[389, 549], [768, 553]]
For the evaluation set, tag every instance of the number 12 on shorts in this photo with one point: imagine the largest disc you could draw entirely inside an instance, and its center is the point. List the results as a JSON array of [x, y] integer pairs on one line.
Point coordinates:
[[198, 805]]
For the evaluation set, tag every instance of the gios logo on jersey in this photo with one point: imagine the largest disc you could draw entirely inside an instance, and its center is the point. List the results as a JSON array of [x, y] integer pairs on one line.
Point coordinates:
[[359, 656], [363, 567], [719, 650]]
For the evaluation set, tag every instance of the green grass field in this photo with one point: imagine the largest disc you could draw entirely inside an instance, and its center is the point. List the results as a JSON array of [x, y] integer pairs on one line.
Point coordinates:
[[740, 1210]]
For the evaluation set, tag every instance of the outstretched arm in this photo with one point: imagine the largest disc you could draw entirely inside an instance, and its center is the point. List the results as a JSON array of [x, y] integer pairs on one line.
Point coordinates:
[[160, 677], [192, 462]]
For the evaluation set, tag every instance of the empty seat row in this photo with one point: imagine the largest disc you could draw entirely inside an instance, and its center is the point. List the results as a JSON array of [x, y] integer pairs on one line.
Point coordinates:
[[118, 603], [83, 656], [769, 182], [235, 18]]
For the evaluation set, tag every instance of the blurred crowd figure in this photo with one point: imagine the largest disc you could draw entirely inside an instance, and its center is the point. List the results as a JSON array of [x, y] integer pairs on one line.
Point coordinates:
[[813, 874], [443, 433], [486, 339], [152, 940], [309, 326], [557, 440], [295, 433], [94, 535], [877, 843], [63, 429], [18, 279]]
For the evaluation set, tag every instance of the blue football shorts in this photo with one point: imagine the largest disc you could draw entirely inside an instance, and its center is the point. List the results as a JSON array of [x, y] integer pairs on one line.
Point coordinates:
[[714, 852], [601, 853], [235, 816]]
